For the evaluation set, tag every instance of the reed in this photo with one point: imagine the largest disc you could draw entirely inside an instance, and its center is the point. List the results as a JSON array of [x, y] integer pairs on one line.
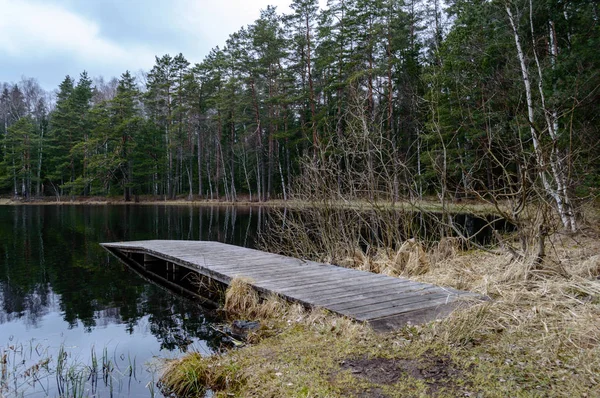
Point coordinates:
[[32, 368]]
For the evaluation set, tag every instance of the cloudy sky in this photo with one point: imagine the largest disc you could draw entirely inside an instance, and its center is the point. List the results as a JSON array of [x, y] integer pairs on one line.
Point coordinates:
[[48, 39]]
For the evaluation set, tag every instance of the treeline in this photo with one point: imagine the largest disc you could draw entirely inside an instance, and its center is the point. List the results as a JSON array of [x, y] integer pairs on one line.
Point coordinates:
[[464, 96]]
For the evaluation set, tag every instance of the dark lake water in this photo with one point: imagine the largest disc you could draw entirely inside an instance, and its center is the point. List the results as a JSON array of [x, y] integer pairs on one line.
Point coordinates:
[[75, 321]]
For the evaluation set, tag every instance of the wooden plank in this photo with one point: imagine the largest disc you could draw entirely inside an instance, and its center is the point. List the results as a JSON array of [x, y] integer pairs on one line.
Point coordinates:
[[242, 257], [319, 289], [399, 309], [385, 301], [317, 272], [231, 274], [376, 296], [343, 293], [220, 277], [415, 317], [273, 275], [392, 301], [240, 266], [315, 288], [289, 289], [233, 267]]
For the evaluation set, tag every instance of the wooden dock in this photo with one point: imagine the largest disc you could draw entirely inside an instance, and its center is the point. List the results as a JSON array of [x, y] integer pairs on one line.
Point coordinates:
[[385, 302]]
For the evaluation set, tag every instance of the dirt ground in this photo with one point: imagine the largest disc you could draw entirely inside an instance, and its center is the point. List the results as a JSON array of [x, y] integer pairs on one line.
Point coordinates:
[[438, 372]]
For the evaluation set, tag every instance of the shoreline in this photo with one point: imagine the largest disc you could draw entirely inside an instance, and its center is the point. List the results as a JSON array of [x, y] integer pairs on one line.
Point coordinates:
[[425, 205]]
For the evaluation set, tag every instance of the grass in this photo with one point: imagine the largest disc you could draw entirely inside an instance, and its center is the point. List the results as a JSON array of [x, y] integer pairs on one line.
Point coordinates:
[[538, 336], [427, 204]]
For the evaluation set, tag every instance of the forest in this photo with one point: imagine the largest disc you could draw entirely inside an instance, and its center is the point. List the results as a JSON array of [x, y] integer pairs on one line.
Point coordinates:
[[464, 98]]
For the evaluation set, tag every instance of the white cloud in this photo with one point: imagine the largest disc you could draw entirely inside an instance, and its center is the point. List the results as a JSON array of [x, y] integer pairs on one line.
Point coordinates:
[[48, 39], [33, 29], [213, 21]]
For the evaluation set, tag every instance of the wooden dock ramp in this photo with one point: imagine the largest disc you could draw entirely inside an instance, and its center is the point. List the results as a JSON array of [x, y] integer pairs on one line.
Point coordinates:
[[385, 302]]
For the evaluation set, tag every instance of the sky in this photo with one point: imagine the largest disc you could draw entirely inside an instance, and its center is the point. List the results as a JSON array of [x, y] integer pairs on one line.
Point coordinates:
[[49, 39]]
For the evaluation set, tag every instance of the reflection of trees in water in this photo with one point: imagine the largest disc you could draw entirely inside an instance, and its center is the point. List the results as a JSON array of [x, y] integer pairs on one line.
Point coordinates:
[[29, 307], [51, 262], [178, 322]]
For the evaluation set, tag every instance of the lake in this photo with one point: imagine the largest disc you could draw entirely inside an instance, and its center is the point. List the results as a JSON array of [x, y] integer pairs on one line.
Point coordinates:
[[75, 321]]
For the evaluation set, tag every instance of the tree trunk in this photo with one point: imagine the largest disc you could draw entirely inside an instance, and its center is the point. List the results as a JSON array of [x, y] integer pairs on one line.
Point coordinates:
[[282, 180], [199, 165], [557, 194], [39, 168], [311, 90], [259, 155], [245, 166], [232, 159]]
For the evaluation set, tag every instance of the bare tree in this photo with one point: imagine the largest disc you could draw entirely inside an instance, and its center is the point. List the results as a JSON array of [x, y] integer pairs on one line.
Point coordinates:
[[552, 164]]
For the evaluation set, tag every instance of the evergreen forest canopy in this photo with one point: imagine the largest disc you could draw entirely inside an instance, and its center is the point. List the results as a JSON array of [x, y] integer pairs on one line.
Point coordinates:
[[490, 99]]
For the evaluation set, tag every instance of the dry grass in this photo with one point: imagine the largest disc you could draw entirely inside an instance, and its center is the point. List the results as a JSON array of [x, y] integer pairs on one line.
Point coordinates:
[[542, 323], [410, 259], [427, 204], [538, 336], [241, 298]]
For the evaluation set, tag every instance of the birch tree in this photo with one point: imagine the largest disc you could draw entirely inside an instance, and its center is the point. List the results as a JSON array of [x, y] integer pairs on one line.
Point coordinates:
[[552, 162]]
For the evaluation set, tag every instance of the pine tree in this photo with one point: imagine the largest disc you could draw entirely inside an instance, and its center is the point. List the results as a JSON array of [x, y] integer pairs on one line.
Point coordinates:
[[303, 24], [20, 143], [81, 102], [62, 135], [127, 122], [164, 98]]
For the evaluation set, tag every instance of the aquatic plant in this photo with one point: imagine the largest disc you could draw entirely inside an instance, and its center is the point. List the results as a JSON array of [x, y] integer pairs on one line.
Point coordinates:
[[31, 367]]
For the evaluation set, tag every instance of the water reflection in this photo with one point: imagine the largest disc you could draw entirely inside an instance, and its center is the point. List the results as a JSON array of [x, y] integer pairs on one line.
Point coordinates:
[[59, 287]]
